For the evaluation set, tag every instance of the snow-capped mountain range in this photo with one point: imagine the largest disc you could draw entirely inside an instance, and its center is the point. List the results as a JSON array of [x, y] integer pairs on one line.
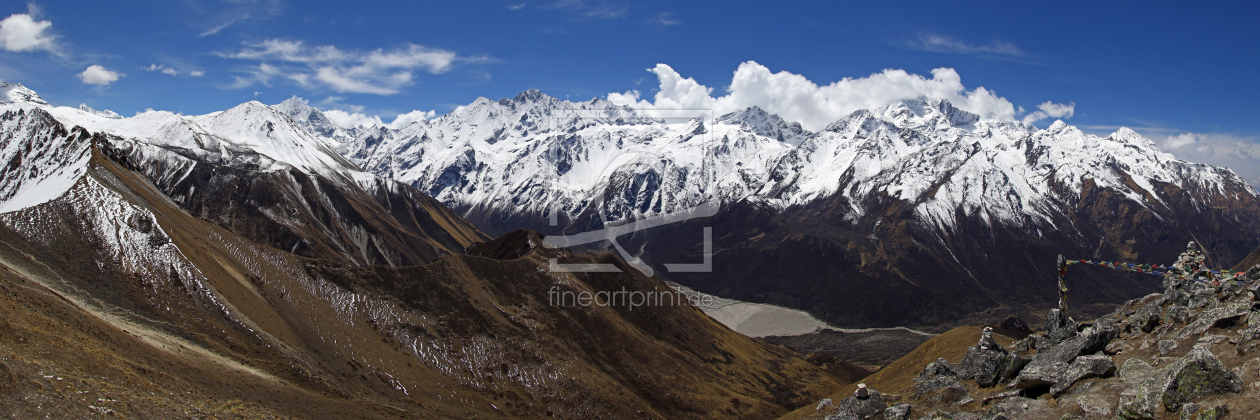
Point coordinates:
[[881, 200], [533, 153]]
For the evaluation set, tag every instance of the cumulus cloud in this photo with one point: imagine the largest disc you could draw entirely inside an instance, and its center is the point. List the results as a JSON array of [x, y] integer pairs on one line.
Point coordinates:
[[1242, 154], [161, 68], [348, 115], [944, 44], [1051, 110], [21, 32], [359, 119], [378, 72], [98, 75], [796, 98], [196, 73]]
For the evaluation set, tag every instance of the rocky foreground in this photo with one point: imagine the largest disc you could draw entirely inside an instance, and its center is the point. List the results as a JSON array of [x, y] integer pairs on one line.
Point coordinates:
[[1189, 353]]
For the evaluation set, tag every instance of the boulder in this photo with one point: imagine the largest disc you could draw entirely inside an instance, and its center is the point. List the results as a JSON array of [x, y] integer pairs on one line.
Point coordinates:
[[1058, 327], [1148, 317], [897, 412], [1203, 298], [1198, 374], [1044, 372], [861, 408], [1014, 364], [1141, 401], [1094, 405], [1135, 370], [1166, 346], [1222, 316], [985, 362], [1188, 410], [1099, 335], [1229, 288], [1250, 338], [940, 367], [939, 382], [1084, 367], [1049, 365], [1215, 413], [1178, 313], [1014, 327]]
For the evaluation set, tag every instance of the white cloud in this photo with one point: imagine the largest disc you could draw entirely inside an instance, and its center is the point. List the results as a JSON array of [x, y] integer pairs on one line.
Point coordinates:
[[21, 32], [945, 44], [197, 73], [516, 6], [359, 119], [595, 9], [98, 75], [1242, 154], [230, 12], [1050, 110], [663, 20], [378, 72], [162, 68], [796, 98]]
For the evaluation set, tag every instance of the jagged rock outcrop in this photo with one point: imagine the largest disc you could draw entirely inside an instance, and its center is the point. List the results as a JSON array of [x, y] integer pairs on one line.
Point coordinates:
[[985, 362], [865, 403], [1193, 362], [1094, 366]]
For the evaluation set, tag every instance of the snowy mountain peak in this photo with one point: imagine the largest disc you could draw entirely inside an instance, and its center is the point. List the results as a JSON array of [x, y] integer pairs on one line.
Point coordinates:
[[1127, 135], [102, 113], [15, 92], [532, 95], [295, 107], [766, 124]]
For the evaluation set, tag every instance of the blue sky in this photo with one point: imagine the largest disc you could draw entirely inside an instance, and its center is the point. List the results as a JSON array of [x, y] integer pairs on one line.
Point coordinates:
[[1183, 76]]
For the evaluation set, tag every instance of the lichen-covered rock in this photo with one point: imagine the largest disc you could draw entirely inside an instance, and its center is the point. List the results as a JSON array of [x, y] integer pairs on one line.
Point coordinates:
[[1094, 405], [940, 367], [1098, 336], [1084, 367], [1148, 317], [1014, 364], [1178, 313], [897, 412], [1203, 299], [1250, 338], [1198, 374], [1166, 346], [1175, 296], [1141, 401], [1188, 410], [1214, 317], [939, 382], [1135, 370], [1215, 413], [1048, 366], [1229, 288]]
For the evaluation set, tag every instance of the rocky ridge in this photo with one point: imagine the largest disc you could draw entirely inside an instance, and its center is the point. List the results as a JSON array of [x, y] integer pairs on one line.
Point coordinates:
[[1188, 352]]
